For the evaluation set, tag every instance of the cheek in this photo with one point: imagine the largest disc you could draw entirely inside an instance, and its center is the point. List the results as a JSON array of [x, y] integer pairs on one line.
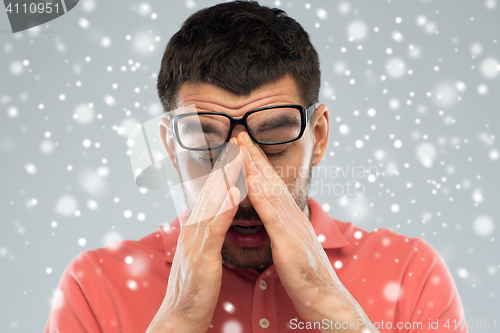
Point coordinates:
[[294, 167], [193, 175]]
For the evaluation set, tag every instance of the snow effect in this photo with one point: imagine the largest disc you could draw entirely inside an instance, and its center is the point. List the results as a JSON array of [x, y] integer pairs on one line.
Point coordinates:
[[110, 100], [46, 147], [132, 284], [322, 14], [426, 153], [84, 23], [489, 68], [13, 112], [463, 273], [232, 326], [31, 169], [16, 68], [93, 183], [396, 68], [482, 89], [111, 237], [143, 43], [476, 49], [57, 299], [414, 75], [66, 205], [84, 114], [392, 291], [229, 307], [397, 36], [357, 30], [490, 4], [344, 129], [144, 9], [88, 5], [190, 4], [483, 225], [105, 42], [344, 7]]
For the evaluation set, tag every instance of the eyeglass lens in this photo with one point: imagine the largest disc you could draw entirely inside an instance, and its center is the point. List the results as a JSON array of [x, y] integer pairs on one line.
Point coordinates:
[[267, 126]]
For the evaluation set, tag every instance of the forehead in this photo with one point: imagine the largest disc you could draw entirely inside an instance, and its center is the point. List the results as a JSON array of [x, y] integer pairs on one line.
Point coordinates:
[[210, 96]]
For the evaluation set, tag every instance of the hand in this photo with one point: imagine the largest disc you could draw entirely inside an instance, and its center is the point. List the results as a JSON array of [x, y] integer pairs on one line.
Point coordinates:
[[196, 273], [301, 263]]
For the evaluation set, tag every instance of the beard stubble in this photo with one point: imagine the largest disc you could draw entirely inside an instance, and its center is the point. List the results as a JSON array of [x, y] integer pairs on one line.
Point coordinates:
[[258, 258]]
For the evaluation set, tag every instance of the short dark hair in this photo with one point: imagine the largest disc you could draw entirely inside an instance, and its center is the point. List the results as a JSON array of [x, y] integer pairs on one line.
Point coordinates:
[[239, 46]]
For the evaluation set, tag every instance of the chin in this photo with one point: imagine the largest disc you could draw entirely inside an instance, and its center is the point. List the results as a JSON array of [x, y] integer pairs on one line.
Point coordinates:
[[258, 258]]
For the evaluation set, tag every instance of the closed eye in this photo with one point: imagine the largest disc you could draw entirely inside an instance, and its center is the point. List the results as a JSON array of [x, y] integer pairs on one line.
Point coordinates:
[[277, 154]]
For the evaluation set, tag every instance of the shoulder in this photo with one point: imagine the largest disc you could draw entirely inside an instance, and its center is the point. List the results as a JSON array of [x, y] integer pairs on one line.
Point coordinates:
[[120, 258], [380, 238], [388, 247]]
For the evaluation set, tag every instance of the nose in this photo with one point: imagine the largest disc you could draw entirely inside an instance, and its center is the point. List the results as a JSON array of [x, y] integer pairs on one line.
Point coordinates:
[[237, 130]]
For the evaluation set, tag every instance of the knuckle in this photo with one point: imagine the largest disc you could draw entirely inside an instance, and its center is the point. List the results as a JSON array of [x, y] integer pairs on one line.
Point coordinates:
[[209, 231], [273, 196], [212, 230], [276, 216]]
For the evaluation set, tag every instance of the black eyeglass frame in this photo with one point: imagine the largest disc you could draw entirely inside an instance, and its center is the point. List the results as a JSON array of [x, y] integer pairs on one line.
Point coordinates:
[[305, 114]]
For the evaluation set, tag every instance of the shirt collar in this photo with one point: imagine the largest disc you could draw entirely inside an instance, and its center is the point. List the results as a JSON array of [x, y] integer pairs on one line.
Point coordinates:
[[325, 227]]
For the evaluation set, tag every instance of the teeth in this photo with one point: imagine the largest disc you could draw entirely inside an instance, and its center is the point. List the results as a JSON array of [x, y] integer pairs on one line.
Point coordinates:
[[248, 230]]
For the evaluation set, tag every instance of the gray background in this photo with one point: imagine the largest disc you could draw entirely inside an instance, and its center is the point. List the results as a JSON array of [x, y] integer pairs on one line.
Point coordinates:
[[440, 100]]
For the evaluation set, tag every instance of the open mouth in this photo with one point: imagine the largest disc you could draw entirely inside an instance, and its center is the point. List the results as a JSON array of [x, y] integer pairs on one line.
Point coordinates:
[[247, 234], [247, 230]]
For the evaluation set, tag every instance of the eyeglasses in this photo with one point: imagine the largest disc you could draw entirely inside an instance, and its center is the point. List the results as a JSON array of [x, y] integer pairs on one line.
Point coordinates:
[[271, 125]]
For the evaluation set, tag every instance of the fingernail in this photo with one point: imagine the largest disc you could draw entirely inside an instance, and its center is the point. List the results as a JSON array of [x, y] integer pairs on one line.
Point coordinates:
[[247, 139]]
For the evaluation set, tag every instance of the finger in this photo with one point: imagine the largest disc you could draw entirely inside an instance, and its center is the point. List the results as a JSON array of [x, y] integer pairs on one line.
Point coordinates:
[[272, 184], [260, 159], [228, 175], [214, 190], [216, 230], [278, 196], [210, 181], [272, 217], [256, 162]]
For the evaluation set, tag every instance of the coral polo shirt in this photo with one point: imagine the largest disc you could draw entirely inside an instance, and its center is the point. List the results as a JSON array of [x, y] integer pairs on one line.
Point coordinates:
[[402, 284]]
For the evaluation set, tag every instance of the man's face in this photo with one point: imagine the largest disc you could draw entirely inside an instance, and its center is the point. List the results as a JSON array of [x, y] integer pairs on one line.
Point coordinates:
[[293, 163]]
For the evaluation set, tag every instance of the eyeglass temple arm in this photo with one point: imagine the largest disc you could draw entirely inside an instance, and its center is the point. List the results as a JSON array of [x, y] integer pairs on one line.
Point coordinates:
[[310, 110]]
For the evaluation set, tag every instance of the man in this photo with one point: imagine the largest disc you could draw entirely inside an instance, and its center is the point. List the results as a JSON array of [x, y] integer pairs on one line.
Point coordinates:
[[239, 83]]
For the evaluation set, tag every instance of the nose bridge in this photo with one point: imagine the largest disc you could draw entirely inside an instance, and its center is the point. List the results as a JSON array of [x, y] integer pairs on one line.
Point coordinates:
[[238, 127]]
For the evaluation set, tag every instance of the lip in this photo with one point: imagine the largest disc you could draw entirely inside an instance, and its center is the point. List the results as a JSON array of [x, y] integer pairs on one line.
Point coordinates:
[[247, 223], [240, 240]]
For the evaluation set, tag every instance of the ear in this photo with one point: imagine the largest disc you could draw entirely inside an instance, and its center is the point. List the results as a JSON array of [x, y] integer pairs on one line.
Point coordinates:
[[321, 132], [167, 139]]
